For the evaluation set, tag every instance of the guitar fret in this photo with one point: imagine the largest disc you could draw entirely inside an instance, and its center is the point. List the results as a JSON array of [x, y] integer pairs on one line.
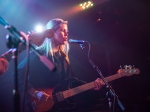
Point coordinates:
[[76, 90], [113, 77]]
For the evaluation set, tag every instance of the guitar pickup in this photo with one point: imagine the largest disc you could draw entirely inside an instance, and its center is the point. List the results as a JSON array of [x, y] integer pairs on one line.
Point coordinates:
[[59, 96]]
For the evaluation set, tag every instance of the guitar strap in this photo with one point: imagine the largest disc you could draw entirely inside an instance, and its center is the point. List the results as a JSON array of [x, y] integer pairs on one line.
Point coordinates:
[[71, 73]]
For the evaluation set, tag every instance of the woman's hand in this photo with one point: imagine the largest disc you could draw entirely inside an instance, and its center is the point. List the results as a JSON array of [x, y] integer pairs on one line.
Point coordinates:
[[41, 96], [99, 84]]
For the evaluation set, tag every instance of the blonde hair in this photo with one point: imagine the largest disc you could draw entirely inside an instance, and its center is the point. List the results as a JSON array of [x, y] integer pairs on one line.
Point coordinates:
[[49, 43]]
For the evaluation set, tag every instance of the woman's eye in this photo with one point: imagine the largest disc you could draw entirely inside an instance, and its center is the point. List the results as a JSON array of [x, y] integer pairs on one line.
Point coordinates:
[[64, 31]]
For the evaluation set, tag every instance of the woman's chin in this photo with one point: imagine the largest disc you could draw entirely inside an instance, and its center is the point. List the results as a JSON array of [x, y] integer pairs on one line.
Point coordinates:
[[65, 42]]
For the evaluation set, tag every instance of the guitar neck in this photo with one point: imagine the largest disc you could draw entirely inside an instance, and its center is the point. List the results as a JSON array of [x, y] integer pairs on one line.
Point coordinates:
[[113, 77], [79, 89], [8, 54], [88, 86]]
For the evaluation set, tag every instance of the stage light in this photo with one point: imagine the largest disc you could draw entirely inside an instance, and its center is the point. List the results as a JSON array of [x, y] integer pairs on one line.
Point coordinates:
[[39, 28], [98, 19], [86, 5]]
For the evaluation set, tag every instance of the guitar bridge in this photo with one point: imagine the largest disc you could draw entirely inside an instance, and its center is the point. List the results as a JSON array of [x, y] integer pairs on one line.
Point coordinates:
[[59, 96]]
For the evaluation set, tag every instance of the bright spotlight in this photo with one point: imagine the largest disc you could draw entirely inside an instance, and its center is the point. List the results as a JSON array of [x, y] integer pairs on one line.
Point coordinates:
[[81, 5], [39, 28], [86, 5]]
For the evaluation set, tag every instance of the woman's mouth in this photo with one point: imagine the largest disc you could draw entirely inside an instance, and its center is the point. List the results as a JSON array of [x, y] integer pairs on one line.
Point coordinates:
[[66, 39]]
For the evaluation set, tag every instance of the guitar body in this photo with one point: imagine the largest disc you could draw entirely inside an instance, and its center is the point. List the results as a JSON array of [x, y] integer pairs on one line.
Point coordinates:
[[56, 101], [38, 106], [60, 102]]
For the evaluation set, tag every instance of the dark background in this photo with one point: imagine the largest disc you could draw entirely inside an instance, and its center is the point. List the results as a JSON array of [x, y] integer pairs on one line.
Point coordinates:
[[121, 37]]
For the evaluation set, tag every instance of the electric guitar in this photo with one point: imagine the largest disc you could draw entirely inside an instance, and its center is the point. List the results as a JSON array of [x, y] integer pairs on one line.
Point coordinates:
[[59, 94]]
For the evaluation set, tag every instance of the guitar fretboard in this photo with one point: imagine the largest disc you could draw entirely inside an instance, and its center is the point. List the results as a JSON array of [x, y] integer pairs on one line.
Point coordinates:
[[79, 89], [85, 87], [113, 77]]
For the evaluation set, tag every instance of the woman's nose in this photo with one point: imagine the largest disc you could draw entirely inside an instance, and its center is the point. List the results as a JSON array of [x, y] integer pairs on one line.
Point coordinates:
[[66, 33]]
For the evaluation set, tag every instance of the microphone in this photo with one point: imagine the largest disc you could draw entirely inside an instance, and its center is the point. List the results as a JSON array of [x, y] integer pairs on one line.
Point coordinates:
[[77, 41]]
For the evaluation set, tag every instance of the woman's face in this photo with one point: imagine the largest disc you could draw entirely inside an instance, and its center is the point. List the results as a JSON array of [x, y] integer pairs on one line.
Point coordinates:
[[61, 35]]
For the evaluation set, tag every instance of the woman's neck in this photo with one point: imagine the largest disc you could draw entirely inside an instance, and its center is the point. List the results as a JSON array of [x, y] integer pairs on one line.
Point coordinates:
[[56, 48]]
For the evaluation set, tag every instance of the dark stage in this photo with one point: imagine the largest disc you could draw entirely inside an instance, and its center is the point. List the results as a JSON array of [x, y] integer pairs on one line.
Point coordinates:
[[118, 32]]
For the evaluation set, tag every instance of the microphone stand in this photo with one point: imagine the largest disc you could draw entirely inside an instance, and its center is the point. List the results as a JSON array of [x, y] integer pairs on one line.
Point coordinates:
[[15, 90], [108, 96], [14, 42], [102, 77]]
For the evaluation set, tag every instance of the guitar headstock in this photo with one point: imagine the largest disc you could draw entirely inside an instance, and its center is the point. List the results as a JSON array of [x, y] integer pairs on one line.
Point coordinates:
[[128, 71]]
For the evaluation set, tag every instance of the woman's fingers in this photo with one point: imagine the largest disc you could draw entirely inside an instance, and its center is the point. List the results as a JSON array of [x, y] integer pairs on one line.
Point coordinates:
[[42, 96], [99, 84]]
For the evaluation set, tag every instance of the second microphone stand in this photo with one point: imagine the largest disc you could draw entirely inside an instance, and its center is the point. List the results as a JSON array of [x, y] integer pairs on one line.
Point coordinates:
[[112, 92]]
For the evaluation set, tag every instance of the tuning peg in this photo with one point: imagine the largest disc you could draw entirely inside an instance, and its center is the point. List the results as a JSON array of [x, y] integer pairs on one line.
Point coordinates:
[[120, 67], [130, 67], [125, 66], [133, 66]]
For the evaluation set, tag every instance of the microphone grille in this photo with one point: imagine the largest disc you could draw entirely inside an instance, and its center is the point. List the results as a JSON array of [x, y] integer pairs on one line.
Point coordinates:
[[70, 40]]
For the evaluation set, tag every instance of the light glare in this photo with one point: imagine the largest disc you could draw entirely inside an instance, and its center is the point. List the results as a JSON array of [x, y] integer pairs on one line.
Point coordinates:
[[39, 28], [80, 4]]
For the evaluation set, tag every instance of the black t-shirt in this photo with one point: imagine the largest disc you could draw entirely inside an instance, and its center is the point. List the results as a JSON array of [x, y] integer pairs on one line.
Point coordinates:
[[39, 75]]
